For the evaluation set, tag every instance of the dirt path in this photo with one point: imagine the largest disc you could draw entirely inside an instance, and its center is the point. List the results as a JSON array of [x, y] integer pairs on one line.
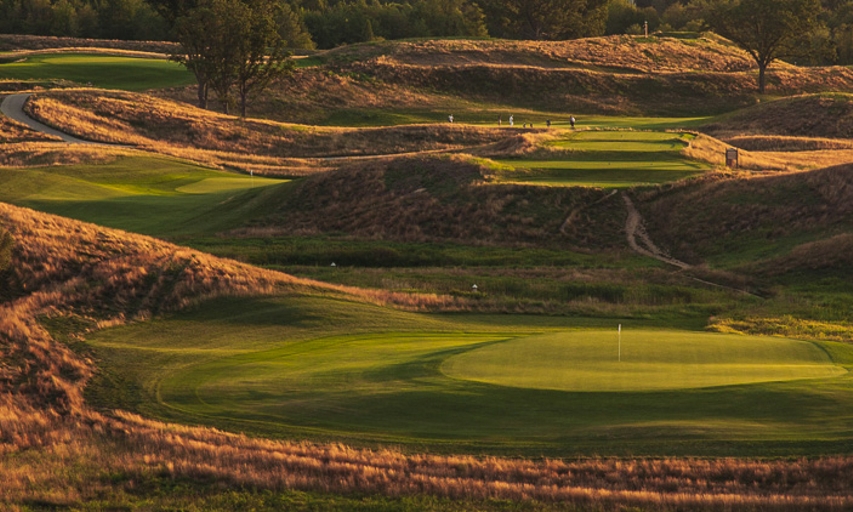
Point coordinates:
[[638, 238]]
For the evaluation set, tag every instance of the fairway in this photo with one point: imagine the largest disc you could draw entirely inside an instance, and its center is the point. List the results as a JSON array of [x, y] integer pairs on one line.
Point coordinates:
[[643, 361], [103, 71], [319, 368], [608, 159], [149, 195]]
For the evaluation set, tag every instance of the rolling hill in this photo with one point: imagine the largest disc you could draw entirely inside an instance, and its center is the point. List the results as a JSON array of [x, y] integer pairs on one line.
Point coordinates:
[[394, 352]]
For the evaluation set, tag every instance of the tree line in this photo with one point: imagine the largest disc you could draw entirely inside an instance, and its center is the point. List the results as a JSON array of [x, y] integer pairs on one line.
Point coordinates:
[[330, 23], [237, 47]]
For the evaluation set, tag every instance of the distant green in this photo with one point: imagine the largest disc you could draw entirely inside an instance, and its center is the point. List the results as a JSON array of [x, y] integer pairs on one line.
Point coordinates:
[[607, 159], [102, 71]]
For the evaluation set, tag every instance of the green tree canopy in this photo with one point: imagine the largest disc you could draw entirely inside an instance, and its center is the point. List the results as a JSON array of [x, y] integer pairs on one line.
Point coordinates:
[[546, 19], [238, 44], [767, 29]]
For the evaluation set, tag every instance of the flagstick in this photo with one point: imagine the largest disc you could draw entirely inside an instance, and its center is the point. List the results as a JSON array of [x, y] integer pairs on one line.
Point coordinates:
[[620, 343]]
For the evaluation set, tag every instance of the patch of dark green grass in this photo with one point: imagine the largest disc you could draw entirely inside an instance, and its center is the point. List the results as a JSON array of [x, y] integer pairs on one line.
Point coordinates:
[[107, 72], [153, 196]]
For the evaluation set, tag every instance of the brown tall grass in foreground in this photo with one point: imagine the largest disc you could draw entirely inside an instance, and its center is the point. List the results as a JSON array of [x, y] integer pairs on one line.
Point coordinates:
[[55, 449]]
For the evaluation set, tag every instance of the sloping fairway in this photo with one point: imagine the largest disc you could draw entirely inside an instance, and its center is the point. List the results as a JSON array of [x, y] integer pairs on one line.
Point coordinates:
[[155, 196], [607, 159], [326, 369], [103, 71], [643, 361]]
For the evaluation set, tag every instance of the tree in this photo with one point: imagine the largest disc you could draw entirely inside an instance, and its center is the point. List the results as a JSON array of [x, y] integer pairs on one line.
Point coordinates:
[[262, 55], [767, 29], [235, 44], [545, 19]]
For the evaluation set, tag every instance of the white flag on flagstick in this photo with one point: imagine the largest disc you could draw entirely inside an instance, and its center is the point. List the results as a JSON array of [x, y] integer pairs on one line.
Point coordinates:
[[619, 330]]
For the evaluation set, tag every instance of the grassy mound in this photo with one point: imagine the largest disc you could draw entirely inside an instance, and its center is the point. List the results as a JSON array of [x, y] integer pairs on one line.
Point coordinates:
[[437, 199], [814, 115], [617, 53], [617, 75], [182, 130], [13, 132], [735, 222]]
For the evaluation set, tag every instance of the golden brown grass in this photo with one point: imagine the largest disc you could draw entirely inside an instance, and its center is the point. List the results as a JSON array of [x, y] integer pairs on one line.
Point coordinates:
[[13, 42], [619, 53], [713, 151], [697, 219], [13, 132], [430, 198], [811, 115], [216, 139], [779, 143], [55, 449]]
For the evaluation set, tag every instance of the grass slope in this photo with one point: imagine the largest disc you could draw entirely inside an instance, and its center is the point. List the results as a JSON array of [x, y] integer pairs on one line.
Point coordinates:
[[828, 115], [740, 222], [433, 199], [147, 195], [103, 71]]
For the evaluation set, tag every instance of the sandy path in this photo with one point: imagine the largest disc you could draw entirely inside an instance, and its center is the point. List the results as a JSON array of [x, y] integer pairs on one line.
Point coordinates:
[[639, 239]]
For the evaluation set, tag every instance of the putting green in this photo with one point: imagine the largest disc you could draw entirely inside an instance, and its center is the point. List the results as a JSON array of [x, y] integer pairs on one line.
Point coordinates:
[[650, 361]]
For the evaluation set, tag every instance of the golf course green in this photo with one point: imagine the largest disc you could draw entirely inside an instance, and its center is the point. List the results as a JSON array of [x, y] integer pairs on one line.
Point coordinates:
[[323, 368], [607, 159], [641, 360]]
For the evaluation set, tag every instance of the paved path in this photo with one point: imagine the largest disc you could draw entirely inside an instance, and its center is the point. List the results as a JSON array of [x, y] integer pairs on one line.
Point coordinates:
[[13, 108]]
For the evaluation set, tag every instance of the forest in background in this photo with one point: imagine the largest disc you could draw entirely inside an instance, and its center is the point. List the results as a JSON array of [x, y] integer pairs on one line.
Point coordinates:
[[331, 23]]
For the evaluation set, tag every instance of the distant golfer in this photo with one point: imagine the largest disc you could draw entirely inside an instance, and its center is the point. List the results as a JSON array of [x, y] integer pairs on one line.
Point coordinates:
[[511, 120], [450, 118], [572, 122], [548, 123]]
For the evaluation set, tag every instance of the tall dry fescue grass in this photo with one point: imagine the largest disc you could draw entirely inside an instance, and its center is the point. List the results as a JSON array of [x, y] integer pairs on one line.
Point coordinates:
[[713, 151], [66, 454], [12, 132], [808, 115], [11, 42], [779, 143], [698, 218], [180, 130], [431, 199], [619, 53]]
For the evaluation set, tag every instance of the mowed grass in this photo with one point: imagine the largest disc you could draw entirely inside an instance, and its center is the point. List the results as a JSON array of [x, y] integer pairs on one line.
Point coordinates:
[[641, 360], [609, 159], [148, 195], [323, 369], [103, 71]]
